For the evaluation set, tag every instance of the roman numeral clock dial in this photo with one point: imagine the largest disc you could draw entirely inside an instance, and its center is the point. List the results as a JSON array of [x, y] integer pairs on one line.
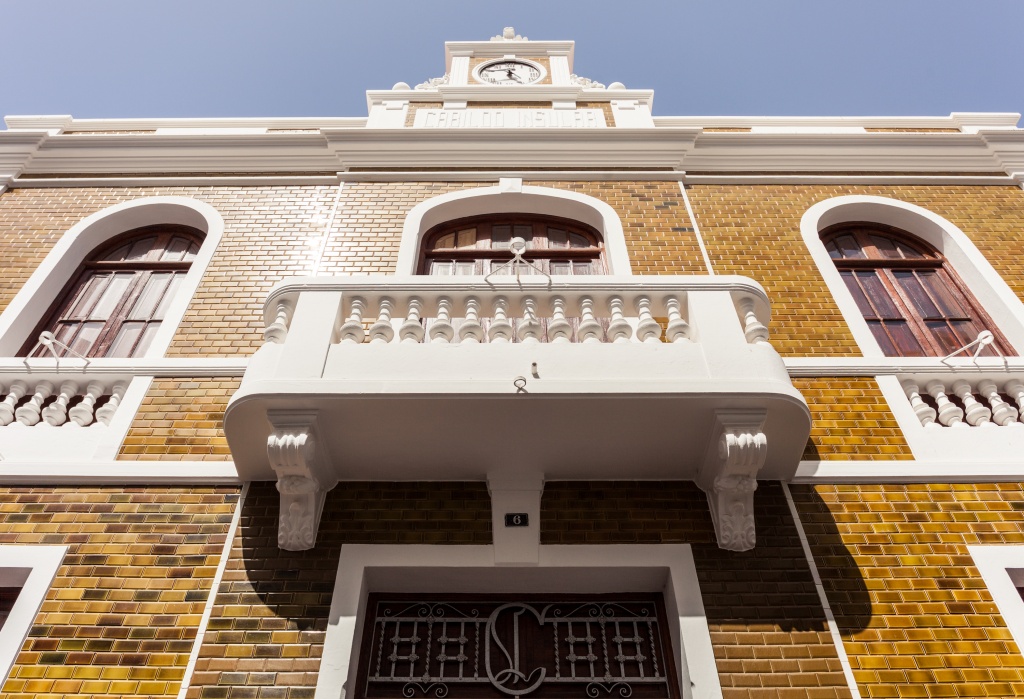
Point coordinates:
[[509, 72]]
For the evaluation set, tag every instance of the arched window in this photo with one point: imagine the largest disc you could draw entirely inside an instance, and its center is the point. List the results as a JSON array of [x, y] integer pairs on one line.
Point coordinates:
[[117, 299], [481, 245], [914, 304]]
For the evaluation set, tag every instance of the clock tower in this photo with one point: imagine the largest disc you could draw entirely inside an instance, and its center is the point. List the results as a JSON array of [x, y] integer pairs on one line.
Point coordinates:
[[509, 82]]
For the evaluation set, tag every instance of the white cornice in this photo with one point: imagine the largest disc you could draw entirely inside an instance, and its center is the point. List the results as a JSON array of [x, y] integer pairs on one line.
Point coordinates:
[[876, 366], [568, 148], [15, 151], [907, 471], [512, 93], [957, 120], [61, 122], [155, 473]]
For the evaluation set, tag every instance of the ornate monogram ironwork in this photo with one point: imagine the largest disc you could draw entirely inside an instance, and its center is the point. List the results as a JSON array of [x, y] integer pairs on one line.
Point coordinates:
[[569, 648]]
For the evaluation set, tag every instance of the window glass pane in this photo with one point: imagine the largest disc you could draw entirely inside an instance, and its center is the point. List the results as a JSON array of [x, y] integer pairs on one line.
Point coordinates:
[[151, 295], [844, 246], [500, 236], [141, 248], [125, 340], [445, 242], [117, 254], [88, 294], [858, 295], [501, 267], [907, 252], [911, 286], [558, 238], [441, 268], [112, 296], [561, 267], [967, 331], [886, 247], [466, 238], [578, 241], [903, 337], [940, 292], [64, 334], [87, 337], [161, 310], [582, 268], [147, 339], [465, 268], [176, 249], [526, 233], [882, 337], [878, 295], [944, 336]]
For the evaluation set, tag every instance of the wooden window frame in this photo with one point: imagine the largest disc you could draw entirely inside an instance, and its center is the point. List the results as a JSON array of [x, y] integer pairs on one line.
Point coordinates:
[[541, 256], [141, 271], [884, 269]]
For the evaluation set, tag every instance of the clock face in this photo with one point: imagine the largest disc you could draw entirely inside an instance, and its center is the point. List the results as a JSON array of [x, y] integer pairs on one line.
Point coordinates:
[[509, 72]]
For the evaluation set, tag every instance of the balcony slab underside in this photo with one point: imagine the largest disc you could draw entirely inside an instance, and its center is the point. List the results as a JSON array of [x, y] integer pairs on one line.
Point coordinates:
[[568, 412]]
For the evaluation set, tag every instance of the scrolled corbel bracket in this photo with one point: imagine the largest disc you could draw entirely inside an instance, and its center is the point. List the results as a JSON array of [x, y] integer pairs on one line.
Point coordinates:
[[303, 476], [729, 476]]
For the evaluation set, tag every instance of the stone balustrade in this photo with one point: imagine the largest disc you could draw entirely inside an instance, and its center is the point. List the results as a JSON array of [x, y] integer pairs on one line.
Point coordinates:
[[384, 310], [961, 402], [58, 401]]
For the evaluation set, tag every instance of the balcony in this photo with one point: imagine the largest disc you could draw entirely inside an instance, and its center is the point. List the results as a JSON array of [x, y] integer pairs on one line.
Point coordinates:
[[456, 378]]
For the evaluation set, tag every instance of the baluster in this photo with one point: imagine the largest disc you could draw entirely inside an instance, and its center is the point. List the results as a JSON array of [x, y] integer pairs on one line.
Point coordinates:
[[678, 330], [590, 328], [976, 413], [412, 329], [31, 412], [1015, 389], [82, 413], [753, 329], [529, 326], [619, 329], [277, 331], [647, 328], [559, 329], [381, 331], [352, 330], [949, 414], [17, 391], [1002, 412], [925, 413], [501, 329], [471, 330], [106, 413], [441, 329], [56, 413]]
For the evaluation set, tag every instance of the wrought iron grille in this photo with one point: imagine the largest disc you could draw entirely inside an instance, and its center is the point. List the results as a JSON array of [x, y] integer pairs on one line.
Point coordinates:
[[497, 648]]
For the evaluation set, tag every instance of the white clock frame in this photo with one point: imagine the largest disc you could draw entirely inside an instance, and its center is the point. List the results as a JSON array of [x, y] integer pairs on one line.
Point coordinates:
[[486, 64]]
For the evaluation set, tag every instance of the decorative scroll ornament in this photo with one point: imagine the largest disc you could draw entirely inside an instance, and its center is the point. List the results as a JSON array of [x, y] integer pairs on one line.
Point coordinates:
[[509, 34], [303, 478], [434, 82], [585, 82], [585, 649], [729, 477]]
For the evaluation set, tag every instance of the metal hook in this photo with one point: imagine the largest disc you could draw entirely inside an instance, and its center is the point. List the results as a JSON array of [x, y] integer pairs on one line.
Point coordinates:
[[520, 383]]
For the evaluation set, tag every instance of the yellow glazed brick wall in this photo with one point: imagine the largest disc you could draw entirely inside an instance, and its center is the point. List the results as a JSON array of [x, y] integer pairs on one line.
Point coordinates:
[[181, 419], [270, 233], [121, 616], [754, 230], [767, 625], [266, 632], [851, 420], [659, 236], [915, 615]]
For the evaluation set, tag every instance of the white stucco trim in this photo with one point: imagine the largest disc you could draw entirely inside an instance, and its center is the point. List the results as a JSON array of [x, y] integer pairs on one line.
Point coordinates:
[[32, 568], [467, 569], [963, 256], [157, 472], [979, 470], [39, 292], [511, 196], [1002, 568]]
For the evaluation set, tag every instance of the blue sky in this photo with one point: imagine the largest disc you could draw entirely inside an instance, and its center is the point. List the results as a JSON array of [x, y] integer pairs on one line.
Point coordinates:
[[136, 58]]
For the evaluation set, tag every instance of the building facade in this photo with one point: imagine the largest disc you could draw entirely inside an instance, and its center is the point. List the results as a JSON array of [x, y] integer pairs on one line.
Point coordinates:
[[512, 388]]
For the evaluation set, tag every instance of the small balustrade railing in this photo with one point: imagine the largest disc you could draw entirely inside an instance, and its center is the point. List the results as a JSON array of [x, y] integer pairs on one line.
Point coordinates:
[[78, 401], [961, 402], [381, 311]]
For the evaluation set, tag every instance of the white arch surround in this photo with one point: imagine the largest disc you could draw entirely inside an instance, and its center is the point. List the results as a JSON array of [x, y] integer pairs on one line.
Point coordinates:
[[510, 196], [31, 303], [988, 287]]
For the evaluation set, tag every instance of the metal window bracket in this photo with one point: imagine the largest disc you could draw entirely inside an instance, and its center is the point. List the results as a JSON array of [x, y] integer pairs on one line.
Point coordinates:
[[518, 247]]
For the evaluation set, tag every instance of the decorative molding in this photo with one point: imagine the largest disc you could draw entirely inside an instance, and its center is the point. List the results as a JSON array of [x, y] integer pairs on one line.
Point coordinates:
[[509, 34], [585, 82], [303, 477], [729, 476], [432, 83]]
